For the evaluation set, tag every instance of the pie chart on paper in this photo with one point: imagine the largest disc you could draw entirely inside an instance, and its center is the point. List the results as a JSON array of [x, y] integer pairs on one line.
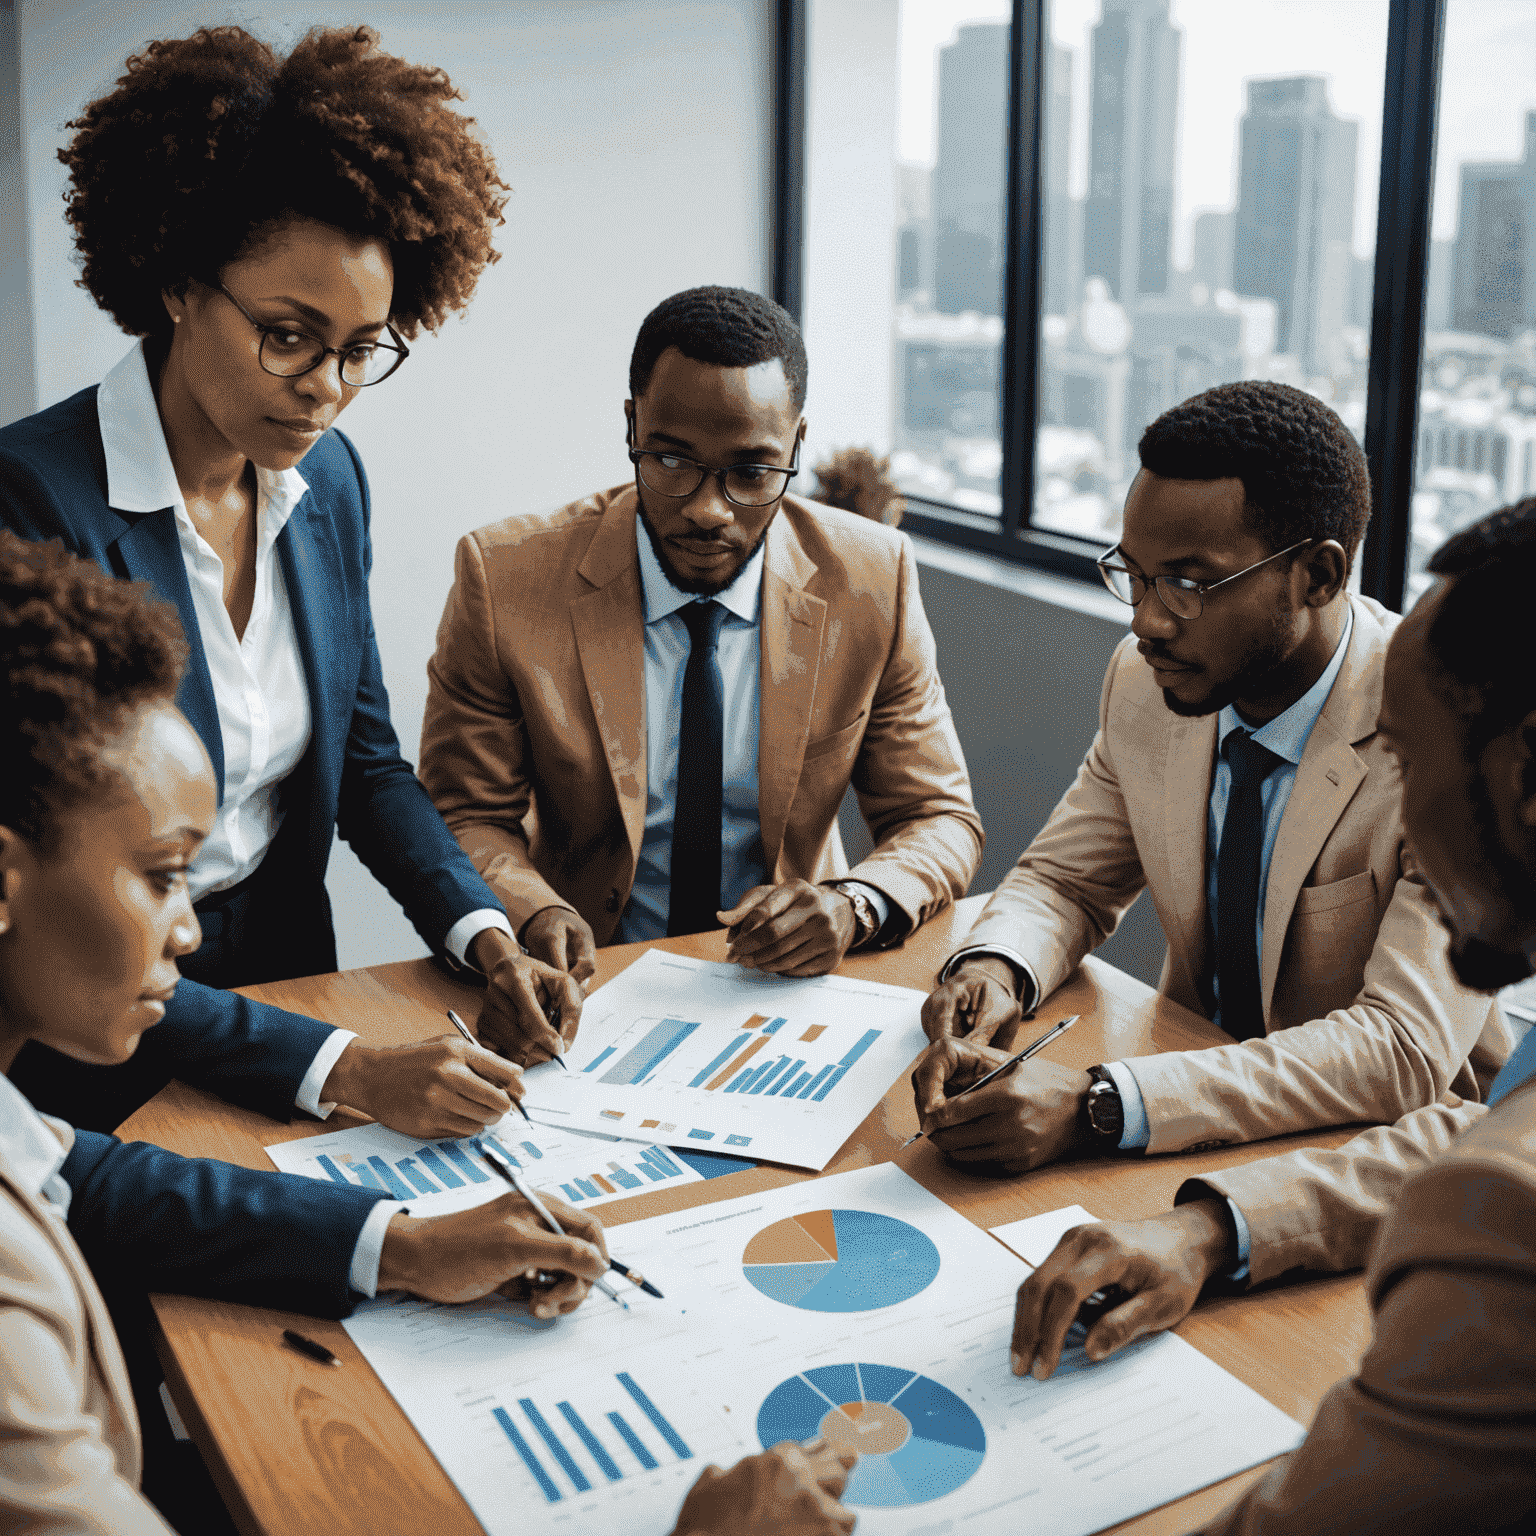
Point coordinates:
[[840, 1261]]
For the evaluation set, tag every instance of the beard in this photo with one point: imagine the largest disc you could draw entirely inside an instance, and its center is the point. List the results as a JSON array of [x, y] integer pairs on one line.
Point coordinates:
[[1258, 673], [695, 586], [1480, 965]]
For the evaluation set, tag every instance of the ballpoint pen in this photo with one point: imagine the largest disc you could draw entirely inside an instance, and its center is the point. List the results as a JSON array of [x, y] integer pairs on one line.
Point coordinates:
[[552, 1018], [1013, 1061], [463, 1029], [521, 1186]]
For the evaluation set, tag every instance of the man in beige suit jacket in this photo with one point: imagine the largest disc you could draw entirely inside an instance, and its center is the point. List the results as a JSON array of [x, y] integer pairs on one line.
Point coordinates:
[[553, 743], [1247, 512], [1435, 1432]]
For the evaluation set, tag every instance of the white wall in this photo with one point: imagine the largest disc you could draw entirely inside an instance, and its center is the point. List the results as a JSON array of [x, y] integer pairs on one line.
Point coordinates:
[[600, 113]]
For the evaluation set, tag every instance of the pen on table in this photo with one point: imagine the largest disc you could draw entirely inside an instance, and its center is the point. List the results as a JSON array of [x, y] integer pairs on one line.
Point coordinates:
[[463, 1029], [309, 1347], [521, 1186], [1013, 1061]]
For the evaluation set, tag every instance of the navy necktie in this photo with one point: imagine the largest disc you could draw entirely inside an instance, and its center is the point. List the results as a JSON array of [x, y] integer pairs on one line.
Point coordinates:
[[694, 896], [1237, 887]]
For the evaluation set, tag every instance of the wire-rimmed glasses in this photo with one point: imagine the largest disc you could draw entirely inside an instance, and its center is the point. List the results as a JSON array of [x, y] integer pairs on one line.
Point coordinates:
[[745, 485], [288, 353], [1183, 598]]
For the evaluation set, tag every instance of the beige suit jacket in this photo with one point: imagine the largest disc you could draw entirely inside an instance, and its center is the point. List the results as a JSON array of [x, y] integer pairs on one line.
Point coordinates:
[[1437, 1432], [533, 746], [69, 1436], [1365, 1018]]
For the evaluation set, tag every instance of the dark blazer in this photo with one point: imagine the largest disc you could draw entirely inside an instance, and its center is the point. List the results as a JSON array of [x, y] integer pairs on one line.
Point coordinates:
[[53, 484]]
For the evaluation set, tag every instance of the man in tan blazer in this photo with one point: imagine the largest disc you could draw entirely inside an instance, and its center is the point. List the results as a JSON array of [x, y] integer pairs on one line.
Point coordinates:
[[1238, 775], [1434, 1433], [615, 775]]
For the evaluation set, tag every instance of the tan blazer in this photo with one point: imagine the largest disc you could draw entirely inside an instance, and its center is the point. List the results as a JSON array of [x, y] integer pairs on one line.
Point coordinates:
[[1437, 1432], [533, 746], [69, 1436], [1365, 1019]]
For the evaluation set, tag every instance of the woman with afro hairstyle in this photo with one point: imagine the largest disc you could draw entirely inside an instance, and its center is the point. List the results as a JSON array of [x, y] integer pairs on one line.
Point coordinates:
[[274, 230]]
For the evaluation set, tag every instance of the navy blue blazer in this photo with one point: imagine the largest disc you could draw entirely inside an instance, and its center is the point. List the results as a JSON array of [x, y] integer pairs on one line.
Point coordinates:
[[352, 779]]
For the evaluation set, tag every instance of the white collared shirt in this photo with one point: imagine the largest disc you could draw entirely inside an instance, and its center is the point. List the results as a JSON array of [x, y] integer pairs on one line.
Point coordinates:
[[31, 1151]]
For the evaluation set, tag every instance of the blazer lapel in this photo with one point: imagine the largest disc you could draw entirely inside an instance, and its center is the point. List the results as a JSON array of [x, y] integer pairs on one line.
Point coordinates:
[[609, 623], [150, 551], [790, 661], [1186, 796]]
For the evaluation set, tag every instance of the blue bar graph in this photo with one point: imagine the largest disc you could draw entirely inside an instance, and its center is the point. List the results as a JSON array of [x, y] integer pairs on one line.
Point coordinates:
[[531, 1150], [390, 1179], [669, 1169], [438, 1168], [609, 1467], [775, 1026], [654, 1048], [830, 1084], [332, 1172], [572, 1194], [588, 1188], [634, 1442], [532, 1462], [367, 1177], [868, 1039], [797, 1085], [556, 1449], [655, 1415], [623, 1177], [408, 1167], [655, 1175], [811, 1086], [461, 1161], [770, 1072], [720, 1060], [786, 1077], [599, 1059]]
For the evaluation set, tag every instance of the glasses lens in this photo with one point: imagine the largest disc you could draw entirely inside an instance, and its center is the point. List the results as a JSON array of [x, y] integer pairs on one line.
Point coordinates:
[[1181, 601], [668, 475], [286, 353], [752, 486], [369, 364], [1121, 583]]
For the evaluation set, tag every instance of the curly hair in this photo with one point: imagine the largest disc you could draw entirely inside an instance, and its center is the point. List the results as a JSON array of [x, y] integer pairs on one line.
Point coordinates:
[[212, 142], [1479, 645], [1304, 475], [78, 651], [726, 327]]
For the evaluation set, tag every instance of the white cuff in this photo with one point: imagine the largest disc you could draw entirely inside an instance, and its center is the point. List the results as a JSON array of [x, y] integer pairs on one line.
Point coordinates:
[[463, 932], [364, 1274], [308, 1098], [1002, 952], [1137, 1132], [1244, 1243], [876, 900]]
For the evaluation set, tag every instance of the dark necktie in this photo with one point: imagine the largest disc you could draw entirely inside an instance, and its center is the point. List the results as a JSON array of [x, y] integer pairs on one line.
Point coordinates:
[[695, 881], [1237, 887]]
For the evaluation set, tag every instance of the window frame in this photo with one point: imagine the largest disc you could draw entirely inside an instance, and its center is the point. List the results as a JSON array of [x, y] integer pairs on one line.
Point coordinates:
[[1415, 38]]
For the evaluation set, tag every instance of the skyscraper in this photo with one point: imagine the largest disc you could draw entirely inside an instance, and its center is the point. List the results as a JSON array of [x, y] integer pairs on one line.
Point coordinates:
[[1061, 255], [1494, 284], [1296, 212], [970, 177], [1133, 111]]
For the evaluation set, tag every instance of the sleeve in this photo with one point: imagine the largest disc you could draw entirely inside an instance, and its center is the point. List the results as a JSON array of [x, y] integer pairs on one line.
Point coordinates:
[[911, 780], [1320, 1210], [1076, 880], [1434, 1433], [384, 812], [1396, 1048], [474, 745], [197, 1227]]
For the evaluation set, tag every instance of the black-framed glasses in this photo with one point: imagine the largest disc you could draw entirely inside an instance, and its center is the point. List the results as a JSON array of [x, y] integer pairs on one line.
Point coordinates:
[[1183, 598], [287, 353], [745, 485]]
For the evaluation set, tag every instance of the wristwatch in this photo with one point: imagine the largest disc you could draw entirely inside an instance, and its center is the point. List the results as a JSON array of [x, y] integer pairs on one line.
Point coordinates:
[[866, 920], [1102, 1109]]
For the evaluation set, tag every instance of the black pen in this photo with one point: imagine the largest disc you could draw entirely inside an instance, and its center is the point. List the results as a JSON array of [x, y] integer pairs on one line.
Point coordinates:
[[635, 1278], [309, 1347], [1013, 1061], [552, 1018], [463, 1029]]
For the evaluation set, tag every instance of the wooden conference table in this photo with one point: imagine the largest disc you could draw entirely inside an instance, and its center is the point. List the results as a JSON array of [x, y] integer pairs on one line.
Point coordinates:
[[298, 1448]]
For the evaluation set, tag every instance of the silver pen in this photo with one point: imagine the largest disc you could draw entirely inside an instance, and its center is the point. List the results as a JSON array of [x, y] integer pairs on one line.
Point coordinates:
[[463, 1029]]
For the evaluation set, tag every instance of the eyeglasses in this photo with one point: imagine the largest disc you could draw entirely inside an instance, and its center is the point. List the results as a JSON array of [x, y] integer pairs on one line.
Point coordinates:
[[1183, 598], [288, 354], [745, 485]]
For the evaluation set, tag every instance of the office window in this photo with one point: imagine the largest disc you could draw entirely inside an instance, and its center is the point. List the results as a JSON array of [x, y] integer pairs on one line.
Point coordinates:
[[1477, 384], [1208, 214]]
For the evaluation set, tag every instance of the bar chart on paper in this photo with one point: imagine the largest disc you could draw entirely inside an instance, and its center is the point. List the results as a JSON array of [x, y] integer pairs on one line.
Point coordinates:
[[689, 1052], [440, 1176]]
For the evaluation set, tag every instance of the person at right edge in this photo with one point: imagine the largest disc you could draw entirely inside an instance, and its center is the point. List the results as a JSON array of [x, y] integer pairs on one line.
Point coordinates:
[[1437, 1430], [1238, 775]]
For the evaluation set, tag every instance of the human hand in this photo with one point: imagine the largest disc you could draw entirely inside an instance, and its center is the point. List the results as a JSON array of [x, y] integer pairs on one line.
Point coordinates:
[[975, 1004], [562, 939], [441, 1087], [791, 1490], [793, 929], [518, 990], [1162, 1262], [500, 1246], [1024, 1118]]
